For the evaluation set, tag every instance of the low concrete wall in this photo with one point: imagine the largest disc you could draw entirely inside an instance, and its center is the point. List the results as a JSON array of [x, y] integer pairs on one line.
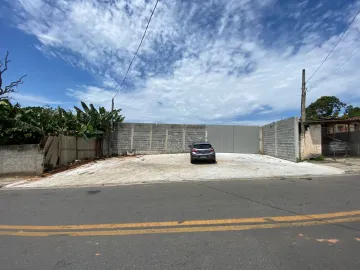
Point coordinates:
[[281, 139], [310, 145], [24, 159]]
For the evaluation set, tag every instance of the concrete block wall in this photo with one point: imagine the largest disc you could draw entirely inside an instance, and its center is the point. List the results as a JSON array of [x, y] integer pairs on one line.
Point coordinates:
[[158, 138], [122, 139], [281, 139], [24, 159], [269, 139], [141, 136], [105, 147], [175, 139], [155, 138], [287, 137], [195, 133]]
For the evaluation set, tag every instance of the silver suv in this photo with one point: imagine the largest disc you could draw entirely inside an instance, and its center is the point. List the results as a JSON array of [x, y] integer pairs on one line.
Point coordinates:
[[202, 151]]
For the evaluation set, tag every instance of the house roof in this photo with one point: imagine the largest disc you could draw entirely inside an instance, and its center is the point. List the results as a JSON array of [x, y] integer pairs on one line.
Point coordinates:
[[351, 120], [355, 118]]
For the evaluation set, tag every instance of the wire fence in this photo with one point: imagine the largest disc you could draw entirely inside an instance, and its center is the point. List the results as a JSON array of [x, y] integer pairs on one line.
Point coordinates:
[[341, 141]]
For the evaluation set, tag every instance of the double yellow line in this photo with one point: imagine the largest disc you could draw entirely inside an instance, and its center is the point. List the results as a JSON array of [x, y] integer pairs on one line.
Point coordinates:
[[188, 226]]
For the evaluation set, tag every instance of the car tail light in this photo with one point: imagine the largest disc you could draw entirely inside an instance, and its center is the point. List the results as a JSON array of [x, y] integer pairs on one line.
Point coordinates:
[[211, 149], [194, 150]]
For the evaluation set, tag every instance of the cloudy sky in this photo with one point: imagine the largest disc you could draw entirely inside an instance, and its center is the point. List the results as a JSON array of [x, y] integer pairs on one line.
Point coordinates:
[[219, 61]]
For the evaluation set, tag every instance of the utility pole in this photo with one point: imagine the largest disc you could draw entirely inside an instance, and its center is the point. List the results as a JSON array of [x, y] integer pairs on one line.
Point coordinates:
[[111, 129], [303, 103], [112, 109]]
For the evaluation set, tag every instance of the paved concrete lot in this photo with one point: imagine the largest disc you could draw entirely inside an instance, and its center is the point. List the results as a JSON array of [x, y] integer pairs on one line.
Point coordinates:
[[177, 167], [326, 246]]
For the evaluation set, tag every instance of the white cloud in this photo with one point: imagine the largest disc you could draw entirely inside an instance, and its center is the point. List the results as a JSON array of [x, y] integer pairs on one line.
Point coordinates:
[[33, 100], [226, 69]]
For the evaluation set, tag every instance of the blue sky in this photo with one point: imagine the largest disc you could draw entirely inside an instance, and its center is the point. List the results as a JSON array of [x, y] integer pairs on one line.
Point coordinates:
[[236, 61]]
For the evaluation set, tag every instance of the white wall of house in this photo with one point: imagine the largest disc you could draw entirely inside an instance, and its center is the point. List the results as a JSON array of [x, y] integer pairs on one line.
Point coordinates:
[[310, 144]]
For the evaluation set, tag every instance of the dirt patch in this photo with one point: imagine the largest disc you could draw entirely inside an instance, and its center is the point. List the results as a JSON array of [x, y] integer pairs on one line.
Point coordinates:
[[79, 163]]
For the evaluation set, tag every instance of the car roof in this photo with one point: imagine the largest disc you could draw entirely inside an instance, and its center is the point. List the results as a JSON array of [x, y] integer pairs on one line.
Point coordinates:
[[201, 143]]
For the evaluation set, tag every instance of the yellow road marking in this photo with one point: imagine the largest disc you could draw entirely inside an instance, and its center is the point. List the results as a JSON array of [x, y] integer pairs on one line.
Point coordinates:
[[133, 225], [317, 216], [177, 223], [179, 229]]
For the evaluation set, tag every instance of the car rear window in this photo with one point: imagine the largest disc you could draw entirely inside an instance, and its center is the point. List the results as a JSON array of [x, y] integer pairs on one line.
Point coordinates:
[[202, 146]]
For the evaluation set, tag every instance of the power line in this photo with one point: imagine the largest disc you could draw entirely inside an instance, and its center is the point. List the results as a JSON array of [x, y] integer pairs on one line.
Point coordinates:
[[336, 69], [132, 60], [335, 45]]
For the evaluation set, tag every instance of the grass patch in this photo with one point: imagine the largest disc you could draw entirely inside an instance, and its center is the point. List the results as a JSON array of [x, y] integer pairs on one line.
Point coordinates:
[[318, 158], [314, 159]]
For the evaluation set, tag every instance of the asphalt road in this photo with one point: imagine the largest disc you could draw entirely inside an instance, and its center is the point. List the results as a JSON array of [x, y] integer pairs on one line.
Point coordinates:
[[256, 246]]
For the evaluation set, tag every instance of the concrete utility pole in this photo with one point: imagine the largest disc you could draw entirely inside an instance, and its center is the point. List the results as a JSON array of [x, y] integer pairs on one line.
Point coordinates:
[[110, 139], [112, 109], [303, 103]]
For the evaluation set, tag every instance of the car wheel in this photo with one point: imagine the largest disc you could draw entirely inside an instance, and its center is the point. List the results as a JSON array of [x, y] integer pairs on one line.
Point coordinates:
[[192, 161]]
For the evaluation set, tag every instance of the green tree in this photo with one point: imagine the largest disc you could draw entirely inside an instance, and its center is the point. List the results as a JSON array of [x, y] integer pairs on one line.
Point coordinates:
[[352, 111], [96, 123], [326, 106]]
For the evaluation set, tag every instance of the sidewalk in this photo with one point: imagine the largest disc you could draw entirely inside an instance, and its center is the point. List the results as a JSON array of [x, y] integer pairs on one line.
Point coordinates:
[[10, 180], [349, 165]]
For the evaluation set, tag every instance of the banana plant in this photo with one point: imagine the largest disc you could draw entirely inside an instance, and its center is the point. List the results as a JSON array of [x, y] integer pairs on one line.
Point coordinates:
[[30, 124], [96, 122], [66, 122]]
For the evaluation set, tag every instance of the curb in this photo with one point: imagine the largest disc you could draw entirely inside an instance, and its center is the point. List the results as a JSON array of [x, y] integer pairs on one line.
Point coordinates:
[[281, 178]]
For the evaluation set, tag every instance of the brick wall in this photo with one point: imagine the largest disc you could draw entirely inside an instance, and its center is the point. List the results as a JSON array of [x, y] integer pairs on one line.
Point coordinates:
[[281, 139], [24, 159]]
